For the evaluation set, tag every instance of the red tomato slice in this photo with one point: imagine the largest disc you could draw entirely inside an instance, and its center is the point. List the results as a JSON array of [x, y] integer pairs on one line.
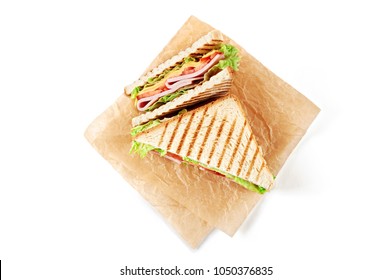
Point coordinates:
[[209, 58], [212, 171], [174, 156], [188, 70], [201, 63], [205, 60]]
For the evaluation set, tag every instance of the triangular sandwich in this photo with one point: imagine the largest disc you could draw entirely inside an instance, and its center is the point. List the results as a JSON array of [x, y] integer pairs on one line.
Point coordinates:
[[202, 71], [216, 137]]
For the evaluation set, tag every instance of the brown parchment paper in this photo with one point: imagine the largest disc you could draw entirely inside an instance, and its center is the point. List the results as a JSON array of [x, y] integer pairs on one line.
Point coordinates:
[[192, 201]]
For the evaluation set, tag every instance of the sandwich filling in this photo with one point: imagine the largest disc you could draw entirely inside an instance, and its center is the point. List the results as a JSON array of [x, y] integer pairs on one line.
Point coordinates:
[[191, 72], [143, 149]]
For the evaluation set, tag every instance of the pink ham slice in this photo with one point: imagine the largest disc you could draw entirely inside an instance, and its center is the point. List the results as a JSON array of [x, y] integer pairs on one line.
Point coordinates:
[[175, 83], [146, 102]]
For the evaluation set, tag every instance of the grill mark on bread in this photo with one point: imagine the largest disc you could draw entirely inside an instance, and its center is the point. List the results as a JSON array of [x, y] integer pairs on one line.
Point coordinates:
[[245, 153], [252, 160], [174, 132], [260, 170], [162, 135], [231, 130], [185, 133], [217, 137], [236, 147], [208, 130], [204, 50], [196, 131]]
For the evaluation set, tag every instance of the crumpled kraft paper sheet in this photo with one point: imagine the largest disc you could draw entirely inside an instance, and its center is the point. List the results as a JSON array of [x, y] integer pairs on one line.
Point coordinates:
[[195, 202]]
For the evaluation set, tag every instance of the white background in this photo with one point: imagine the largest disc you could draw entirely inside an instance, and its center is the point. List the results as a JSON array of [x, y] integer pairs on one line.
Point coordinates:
[[66, 214]]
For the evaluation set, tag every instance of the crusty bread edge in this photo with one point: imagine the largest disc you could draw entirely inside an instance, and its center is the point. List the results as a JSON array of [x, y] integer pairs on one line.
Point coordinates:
[[213, 35]]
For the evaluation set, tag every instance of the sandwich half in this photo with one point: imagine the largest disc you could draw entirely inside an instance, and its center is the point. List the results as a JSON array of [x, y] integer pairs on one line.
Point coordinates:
[[215, 137], [200, 72]]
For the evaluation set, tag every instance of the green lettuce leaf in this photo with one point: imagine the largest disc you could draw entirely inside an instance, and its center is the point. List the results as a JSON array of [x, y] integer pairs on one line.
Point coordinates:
[[134, 93], [231, 57], [167, 98], [140, 128], [187, 159], [188, 59], [249, 185], [143, 149]]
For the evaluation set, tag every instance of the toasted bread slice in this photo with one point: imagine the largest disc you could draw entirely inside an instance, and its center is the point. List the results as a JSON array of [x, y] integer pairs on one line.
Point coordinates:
[[216, 136]]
